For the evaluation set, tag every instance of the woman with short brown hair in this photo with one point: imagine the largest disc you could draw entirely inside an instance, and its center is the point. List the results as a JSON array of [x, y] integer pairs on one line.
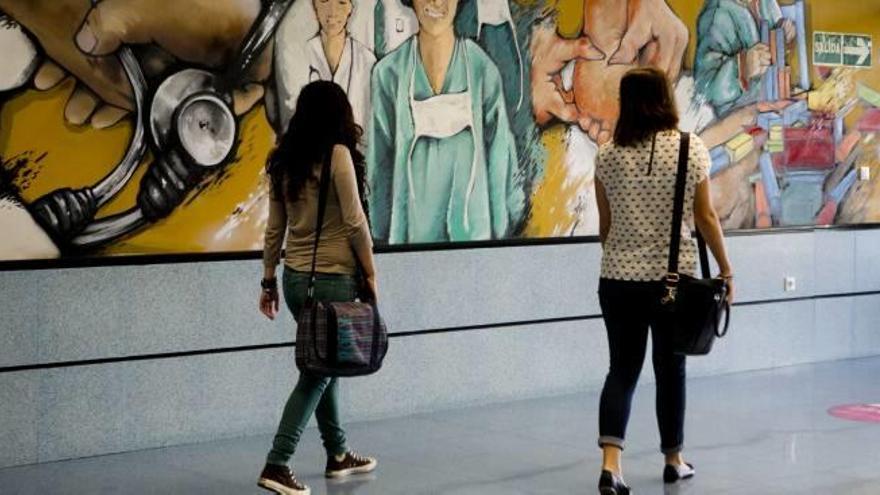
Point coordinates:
[[635, 185]]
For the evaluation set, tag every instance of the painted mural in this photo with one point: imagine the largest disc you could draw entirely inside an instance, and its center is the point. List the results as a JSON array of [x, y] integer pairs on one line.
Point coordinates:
[[142, 127]]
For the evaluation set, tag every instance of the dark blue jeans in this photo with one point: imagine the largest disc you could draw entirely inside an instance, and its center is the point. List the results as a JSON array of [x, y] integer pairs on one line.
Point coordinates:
[[629, 309]]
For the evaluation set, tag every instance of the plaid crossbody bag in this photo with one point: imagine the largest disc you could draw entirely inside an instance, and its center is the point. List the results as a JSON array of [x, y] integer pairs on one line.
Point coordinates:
[[338, 338]]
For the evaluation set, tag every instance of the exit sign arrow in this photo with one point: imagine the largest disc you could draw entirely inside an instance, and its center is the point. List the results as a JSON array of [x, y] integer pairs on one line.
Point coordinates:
[[862, 50], [856, 50]]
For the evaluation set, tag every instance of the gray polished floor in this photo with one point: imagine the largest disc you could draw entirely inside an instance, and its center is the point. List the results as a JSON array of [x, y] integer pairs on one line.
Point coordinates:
[[757, 433]]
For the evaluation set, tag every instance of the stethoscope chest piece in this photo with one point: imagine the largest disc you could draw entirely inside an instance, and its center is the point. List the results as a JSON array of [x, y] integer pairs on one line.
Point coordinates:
[[189, 109], [194, 131], [206, 129]]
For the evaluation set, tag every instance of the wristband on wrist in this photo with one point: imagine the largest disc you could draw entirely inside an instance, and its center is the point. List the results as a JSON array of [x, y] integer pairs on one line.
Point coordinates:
[[269, 283], [728, 276]]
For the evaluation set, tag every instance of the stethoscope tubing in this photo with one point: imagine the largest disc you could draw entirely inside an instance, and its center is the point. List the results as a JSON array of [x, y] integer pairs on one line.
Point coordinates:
[[110, 185]]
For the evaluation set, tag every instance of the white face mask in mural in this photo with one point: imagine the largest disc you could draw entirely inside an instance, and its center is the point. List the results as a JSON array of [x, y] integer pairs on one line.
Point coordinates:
[[497, 13], [193, 129], [441, 116]]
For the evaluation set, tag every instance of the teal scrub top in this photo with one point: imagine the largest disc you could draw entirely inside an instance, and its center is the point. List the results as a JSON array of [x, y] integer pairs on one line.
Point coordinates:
[[724, 29], [499, 42], [441, 168]]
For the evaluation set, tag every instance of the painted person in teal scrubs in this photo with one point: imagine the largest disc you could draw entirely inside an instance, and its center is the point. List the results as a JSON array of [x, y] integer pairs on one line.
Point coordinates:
[[442, 162], [488, 22], [725, 29]]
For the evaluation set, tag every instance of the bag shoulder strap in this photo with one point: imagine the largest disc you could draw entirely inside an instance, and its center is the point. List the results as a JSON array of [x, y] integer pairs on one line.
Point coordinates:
[[678, 207], [323, 191], [678, 214], [704, 255]]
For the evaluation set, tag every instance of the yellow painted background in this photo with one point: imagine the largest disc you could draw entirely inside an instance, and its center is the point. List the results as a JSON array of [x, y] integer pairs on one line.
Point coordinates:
[[32, 125]]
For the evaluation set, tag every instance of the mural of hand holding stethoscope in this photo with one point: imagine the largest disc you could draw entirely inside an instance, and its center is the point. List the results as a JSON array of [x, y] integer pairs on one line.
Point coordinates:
[[189, 123]]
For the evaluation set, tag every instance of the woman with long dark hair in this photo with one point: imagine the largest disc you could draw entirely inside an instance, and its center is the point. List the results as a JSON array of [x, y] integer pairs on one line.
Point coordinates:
[[322, 129], [635, 183]]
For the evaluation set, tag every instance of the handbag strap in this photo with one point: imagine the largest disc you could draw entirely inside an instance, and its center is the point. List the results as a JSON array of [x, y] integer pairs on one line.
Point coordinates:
[[719, 332], [678, 208], [704, 255], [323, 190], [672, 275]]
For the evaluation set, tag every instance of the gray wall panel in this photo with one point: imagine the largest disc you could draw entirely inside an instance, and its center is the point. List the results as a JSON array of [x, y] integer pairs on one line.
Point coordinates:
[[133, 405], [833, 329], [82, 411], [446, 370], [835, 266], [77, 314], [119, 311], [866, 326], [761, 263], [19, 399], [455, 288], [867, 259], [21, 316], [108, 312], [761, 337]]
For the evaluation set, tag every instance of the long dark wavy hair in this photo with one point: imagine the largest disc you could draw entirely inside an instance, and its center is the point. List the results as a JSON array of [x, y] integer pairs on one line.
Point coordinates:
[[323, 119], [646, 106]]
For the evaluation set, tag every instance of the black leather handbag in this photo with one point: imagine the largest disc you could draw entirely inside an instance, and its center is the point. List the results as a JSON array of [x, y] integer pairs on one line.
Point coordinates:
[[697, 305]]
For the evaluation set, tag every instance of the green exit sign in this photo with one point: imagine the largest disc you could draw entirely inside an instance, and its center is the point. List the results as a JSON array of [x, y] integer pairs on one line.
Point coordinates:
[[842, 49]]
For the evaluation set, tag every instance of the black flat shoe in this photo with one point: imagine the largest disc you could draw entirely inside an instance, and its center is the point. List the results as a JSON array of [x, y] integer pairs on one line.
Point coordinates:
[[611, 484], [672, 474]]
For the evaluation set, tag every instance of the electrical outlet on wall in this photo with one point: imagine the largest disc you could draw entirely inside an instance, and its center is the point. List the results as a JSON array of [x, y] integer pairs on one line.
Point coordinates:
[[790, 284], [864, 173]]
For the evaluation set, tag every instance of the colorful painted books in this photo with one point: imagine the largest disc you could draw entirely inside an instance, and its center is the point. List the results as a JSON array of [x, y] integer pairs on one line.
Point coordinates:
[[740, 146], [807, 148]]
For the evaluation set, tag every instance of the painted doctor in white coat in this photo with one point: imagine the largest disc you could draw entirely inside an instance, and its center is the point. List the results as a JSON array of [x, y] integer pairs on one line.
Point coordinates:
[[331, 55]]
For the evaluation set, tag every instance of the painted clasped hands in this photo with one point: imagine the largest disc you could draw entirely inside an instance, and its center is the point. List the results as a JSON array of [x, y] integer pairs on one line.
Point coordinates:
[[616, 36]]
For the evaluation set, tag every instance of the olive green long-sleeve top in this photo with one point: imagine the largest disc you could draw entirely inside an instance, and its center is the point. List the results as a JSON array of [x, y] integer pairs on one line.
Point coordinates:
[[345, 227]]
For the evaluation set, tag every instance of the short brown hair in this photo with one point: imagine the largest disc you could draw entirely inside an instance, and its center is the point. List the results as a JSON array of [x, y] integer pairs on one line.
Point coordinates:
[[646, 106]]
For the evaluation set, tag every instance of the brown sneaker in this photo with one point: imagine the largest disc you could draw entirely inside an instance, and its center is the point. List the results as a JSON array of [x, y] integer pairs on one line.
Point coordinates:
[[280, 479], [352, 463]]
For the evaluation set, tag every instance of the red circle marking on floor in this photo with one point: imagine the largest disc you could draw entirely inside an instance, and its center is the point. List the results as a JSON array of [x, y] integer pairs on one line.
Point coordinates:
[[869, 413]]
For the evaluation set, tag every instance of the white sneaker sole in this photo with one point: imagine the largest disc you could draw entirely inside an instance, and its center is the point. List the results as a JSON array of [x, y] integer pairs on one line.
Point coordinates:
[[368, 468], [274, 486]]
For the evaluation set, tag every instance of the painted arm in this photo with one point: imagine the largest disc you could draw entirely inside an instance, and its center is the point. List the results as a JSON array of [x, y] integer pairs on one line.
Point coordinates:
[[717, 67], [380, 154], [506, 196]]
